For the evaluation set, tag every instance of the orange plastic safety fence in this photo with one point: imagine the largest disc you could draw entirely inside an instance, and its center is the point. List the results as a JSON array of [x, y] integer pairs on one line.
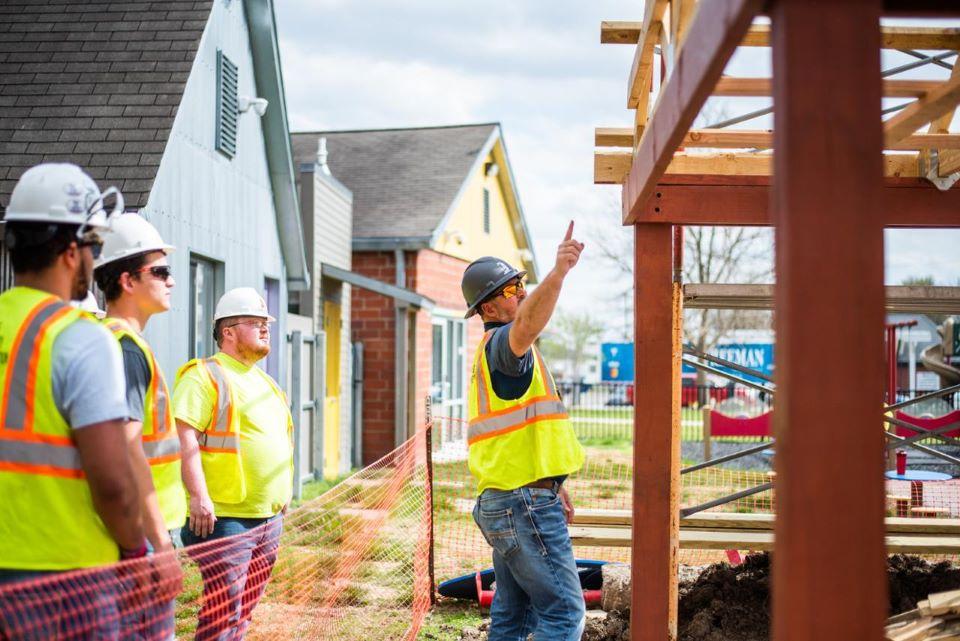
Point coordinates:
[[351, 564], [606, 483]]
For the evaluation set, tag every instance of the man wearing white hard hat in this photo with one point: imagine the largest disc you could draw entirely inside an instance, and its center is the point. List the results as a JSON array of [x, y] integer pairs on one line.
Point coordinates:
[[135, 278], [236, 441], [69, 494]]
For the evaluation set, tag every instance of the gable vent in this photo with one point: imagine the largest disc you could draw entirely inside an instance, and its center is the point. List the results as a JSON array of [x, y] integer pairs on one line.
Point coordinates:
[[226, 142]]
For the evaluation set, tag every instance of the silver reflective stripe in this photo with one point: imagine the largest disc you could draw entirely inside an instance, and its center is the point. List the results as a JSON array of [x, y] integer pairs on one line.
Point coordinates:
[[483, 398], [164, 447], [32, 453], [218, 442], [160, 400], [18, 373], [514, 418], [223, 395]]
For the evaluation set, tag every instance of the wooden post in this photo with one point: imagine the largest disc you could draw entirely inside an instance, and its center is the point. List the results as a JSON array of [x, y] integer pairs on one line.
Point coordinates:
[[826, 205], [656, 441]]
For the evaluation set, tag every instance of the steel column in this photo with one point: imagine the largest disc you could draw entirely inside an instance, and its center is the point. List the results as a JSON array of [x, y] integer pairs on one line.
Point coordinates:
[[829, 299], [656, 442]]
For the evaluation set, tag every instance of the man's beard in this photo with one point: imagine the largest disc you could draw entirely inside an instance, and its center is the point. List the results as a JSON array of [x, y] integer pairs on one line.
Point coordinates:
[[81, 282], [253, 353]]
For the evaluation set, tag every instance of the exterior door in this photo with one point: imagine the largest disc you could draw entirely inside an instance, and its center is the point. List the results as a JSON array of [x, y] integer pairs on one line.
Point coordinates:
[[448, 370], [331, 403]]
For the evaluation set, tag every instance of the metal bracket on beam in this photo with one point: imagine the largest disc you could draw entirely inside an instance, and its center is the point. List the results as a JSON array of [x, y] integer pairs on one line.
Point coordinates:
[[932, 172]]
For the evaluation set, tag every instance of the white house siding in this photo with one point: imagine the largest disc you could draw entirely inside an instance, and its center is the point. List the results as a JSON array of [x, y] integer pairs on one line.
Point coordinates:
[[204, 203], [333, 225]]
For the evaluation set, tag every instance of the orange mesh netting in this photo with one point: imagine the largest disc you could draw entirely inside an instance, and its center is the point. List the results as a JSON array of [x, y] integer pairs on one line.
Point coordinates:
[[351, 564]]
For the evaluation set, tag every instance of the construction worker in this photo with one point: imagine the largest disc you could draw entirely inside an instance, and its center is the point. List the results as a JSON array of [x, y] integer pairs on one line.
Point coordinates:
[[134, 275], [90, 305], [69, 493], [236, 439], [521, 449]]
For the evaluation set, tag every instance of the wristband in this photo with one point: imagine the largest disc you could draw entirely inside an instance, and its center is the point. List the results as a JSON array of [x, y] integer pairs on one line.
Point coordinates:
[[136, 553]]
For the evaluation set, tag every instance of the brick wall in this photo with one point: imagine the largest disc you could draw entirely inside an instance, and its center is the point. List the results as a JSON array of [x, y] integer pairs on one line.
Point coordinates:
[[433, 275]]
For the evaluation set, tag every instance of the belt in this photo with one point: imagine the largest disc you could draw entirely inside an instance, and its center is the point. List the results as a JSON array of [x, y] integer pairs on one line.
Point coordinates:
[[545, 484]]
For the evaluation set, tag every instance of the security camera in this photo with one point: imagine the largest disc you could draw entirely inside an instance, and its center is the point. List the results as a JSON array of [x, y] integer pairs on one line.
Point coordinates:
[[259, 105]]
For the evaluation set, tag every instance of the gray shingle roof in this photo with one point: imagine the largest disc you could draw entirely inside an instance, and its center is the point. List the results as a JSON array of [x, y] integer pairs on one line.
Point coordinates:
[[96, 83], [403, 180]]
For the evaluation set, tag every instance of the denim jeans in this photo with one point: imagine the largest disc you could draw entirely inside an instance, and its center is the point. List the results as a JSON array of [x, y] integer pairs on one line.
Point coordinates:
[[39, 606], [235, 572], [538, 588]]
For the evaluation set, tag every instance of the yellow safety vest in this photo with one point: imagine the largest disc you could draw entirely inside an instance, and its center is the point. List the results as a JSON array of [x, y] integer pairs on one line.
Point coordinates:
[[515, 442], [47, 517], [159, 435], [220, 443]]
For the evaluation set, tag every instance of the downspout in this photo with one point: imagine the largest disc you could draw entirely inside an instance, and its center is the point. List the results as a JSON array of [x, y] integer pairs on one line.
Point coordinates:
[[401, 348]]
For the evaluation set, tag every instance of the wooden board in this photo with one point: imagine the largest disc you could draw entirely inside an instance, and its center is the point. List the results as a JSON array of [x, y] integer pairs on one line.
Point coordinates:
[[757, 540], [759, 139], [930, 106], [625, 32], [729, 86], [757, 521]]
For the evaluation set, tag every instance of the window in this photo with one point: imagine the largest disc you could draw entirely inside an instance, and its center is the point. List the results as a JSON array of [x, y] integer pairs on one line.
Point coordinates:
[[227, 113], [486, 210], [448, 367], [271, 291], [206, 287]]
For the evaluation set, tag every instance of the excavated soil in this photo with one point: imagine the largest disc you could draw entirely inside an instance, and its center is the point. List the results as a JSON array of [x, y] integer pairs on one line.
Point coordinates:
[[732, 603]]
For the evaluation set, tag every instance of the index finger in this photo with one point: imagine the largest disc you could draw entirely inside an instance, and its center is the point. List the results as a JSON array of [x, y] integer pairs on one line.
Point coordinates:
[[569, 232]]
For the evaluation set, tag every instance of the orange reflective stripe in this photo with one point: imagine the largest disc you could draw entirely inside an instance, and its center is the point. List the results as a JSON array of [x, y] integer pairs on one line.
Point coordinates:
[[483, 395], [518, 426], [223, 412], [513, 408], [18, 397], [547, 378], [35, 456]]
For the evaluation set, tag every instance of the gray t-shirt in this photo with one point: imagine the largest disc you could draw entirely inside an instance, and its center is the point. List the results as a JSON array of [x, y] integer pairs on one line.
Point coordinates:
[[137, 374], [88, 381], [510, 375]]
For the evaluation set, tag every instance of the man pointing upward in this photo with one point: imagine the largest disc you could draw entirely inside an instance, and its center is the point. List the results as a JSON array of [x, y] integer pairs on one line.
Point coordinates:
[[522, 448]]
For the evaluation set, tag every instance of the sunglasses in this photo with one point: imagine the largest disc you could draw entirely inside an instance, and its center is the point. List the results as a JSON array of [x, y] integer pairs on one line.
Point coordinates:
[[512, 289], [160, 272], [93, 241]]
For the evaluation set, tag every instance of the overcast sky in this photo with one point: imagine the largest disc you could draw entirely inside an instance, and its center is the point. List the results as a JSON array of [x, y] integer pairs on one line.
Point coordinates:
[[536, 67]]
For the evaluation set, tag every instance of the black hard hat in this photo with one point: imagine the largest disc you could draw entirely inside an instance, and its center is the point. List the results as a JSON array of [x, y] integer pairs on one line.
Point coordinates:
[[483, 277]]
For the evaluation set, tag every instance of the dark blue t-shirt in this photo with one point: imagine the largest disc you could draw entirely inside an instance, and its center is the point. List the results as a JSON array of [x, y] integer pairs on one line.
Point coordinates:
[[510, 375]]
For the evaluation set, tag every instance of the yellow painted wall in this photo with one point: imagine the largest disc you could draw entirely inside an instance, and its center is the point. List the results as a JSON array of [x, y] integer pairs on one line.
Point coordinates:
[[463, 235]]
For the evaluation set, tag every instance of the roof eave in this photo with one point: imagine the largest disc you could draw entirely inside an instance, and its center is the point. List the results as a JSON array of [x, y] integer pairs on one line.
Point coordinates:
[[261, 23]]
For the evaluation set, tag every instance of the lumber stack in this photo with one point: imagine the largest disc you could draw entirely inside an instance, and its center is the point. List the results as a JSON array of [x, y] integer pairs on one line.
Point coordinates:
[[936, 619]]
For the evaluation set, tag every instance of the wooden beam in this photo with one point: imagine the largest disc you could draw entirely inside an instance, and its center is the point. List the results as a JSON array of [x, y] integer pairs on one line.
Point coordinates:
[[932, 105], [829, 274], [614, 167], [717, 28], [656, 441], [642, 68], [745, 200], [898, 298], [949, 162], [759, 139], [947, 38], [733, 86]]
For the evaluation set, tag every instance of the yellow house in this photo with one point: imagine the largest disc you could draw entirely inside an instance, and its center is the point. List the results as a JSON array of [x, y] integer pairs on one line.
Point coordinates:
[[425, 203]]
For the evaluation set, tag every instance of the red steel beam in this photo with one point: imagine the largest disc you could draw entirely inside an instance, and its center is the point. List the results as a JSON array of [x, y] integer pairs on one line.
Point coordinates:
[[717, 29], [745, 200], [656, 441], [829, 581]]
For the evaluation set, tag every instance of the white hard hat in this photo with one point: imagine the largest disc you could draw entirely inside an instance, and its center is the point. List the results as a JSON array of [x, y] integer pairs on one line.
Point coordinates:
[[89, 304], [242, 301], [61, 193], [129, 235]]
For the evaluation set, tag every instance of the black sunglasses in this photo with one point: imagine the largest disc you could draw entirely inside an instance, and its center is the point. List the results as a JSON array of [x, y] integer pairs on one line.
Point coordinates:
[[95, 244], [160, 272]]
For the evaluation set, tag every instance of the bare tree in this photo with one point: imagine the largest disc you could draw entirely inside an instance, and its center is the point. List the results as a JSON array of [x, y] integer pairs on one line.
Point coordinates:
[[711, 255], [568, 337]]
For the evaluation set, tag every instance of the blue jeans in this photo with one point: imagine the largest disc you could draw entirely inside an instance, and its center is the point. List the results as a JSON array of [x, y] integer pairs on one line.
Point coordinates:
[[538, 588], [235, 572], [39, 606]]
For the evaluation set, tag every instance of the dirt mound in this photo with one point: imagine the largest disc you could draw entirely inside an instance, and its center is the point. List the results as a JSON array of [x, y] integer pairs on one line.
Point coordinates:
[[727, 602], [912, 579]]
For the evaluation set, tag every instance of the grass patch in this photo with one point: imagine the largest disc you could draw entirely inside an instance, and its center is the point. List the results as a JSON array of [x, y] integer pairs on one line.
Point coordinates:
[[448, 619]]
